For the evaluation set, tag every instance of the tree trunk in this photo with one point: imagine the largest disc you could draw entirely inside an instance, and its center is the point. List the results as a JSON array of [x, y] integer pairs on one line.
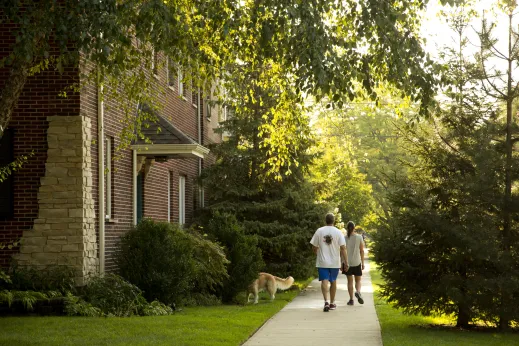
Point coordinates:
[[463, 318], [503, 319], [11, 93]]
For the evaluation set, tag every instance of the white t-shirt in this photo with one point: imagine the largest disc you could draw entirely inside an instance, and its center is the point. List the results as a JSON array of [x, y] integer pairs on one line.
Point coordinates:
[[328, 255], [353, 247]]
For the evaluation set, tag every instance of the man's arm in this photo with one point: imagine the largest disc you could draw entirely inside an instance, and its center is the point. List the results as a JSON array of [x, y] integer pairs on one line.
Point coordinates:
[[362, 253], [315, 248]]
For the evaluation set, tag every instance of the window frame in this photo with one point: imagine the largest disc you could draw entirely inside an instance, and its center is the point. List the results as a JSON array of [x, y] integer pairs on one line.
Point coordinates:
[[181, 199], [170, 75], [108, 178], [155, 63], [181, 84]]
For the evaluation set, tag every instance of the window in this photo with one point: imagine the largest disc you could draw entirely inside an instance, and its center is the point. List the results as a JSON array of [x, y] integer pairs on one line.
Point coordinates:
[[155, 63], [181, 200], [169, 195], [6, 186], [208, 108], [180, 75], [108, 177], [194, 97], [201, 203], [140, 197], [171, 73]]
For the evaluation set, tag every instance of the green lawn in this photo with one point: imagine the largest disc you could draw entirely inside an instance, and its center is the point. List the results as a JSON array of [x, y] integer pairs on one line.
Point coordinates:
[[403, 330], [218, 325]]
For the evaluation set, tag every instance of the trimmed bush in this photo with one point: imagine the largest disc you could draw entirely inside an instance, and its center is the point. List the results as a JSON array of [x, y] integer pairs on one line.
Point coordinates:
[[168, 263]]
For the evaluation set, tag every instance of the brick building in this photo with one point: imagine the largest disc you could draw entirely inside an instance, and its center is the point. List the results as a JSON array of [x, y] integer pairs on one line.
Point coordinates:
[[70, 203]]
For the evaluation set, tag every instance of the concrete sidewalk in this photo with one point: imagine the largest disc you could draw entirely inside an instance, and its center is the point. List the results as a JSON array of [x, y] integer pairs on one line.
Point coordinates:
[[303, 322]]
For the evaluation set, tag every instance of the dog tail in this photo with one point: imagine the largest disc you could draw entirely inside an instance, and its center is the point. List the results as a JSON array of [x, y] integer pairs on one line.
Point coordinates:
[[284, 284]]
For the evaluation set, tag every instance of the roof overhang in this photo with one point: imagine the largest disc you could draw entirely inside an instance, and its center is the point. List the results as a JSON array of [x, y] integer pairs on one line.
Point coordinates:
[[171, 150]]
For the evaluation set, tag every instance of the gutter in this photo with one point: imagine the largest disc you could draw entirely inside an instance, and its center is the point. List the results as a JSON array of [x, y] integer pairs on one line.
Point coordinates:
[[199, 124]]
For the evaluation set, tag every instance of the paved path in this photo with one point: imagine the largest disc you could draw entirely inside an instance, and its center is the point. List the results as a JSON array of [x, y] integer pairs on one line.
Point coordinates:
[[303, 322]]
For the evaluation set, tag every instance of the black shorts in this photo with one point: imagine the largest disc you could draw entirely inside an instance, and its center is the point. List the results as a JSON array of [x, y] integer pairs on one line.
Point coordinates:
[[357, 271]]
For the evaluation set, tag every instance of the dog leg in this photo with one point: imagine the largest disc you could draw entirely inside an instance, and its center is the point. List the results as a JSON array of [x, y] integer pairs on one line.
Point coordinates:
[[256, 294], [272, 288]]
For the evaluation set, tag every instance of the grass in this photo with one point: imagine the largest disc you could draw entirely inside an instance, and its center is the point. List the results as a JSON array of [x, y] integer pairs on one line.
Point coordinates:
[[215, 325], [399, 329]]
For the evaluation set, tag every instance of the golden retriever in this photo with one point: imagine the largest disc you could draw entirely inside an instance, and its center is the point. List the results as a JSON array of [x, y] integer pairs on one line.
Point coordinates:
[[270, 283]]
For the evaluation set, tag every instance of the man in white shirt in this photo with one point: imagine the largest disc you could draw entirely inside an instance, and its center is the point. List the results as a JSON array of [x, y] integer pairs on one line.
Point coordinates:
[[329, 244]]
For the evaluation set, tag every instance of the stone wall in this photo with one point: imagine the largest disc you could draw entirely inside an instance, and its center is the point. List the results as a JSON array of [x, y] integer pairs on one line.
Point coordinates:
[[64, 232]]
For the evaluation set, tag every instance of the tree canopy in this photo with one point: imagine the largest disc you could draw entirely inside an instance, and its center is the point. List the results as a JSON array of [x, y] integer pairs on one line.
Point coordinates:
[[330, 48]]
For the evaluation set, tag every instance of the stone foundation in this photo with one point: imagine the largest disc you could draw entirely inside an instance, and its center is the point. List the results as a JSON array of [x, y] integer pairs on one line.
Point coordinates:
[[64, 232]]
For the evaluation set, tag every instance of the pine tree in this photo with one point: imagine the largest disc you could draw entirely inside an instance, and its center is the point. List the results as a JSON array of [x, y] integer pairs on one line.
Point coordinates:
[[259, 173], [443, 250]]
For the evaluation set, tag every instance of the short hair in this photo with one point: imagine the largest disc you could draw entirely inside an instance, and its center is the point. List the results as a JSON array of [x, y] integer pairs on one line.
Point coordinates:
[[351, 225], [330, 219]]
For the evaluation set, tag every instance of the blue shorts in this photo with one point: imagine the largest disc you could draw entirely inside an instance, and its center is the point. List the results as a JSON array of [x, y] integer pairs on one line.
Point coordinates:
[[329, 274]]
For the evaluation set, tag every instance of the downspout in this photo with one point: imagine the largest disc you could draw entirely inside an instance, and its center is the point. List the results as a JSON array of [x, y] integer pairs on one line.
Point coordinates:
[[199, 124], [101, 163]]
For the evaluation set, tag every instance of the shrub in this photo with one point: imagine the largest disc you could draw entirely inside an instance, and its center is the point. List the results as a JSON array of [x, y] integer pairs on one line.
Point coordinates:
[[54, 278], [27, 298], [75, 306], [111, 295], [242, 251], [5, 279], [155, 308], [210, 265], [167, 263]]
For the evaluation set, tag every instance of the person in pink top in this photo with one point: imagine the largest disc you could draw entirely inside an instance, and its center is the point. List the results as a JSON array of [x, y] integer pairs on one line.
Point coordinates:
[[355, 261]]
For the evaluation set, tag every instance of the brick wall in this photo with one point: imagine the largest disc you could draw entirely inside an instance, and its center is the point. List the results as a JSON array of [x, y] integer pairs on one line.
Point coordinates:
[[38, 100], [179, 111]]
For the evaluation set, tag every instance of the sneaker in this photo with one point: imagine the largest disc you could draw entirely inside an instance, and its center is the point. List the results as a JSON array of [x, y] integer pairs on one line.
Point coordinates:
[[359, 297], [350, 302], [326, 307], [333, 306]]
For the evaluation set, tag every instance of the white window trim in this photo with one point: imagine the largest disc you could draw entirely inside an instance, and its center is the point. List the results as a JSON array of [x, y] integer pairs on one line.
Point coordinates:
[[108, 178], [181, 200], [154, 67], [181, 84], [195, 102], [202, 197], [208, 110], [169, 196], [169, 81]]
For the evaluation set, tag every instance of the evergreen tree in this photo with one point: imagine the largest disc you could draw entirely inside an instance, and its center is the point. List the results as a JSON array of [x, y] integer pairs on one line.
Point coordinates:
[[443, 249], [259, 173]]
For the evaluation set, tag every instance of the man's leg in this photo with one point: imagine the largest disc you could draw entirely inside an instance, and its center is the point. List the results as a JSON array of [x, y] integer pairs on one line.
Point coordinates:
[[325, 289], [333, 290]]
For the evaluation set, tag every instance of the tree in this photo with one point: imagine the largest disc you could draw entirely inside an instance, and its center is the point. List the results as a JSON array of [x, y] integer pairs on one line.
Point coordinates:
[[502, 86], [364, 152], [336, 175], [332, 49], [444, 250], [275, 206]]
